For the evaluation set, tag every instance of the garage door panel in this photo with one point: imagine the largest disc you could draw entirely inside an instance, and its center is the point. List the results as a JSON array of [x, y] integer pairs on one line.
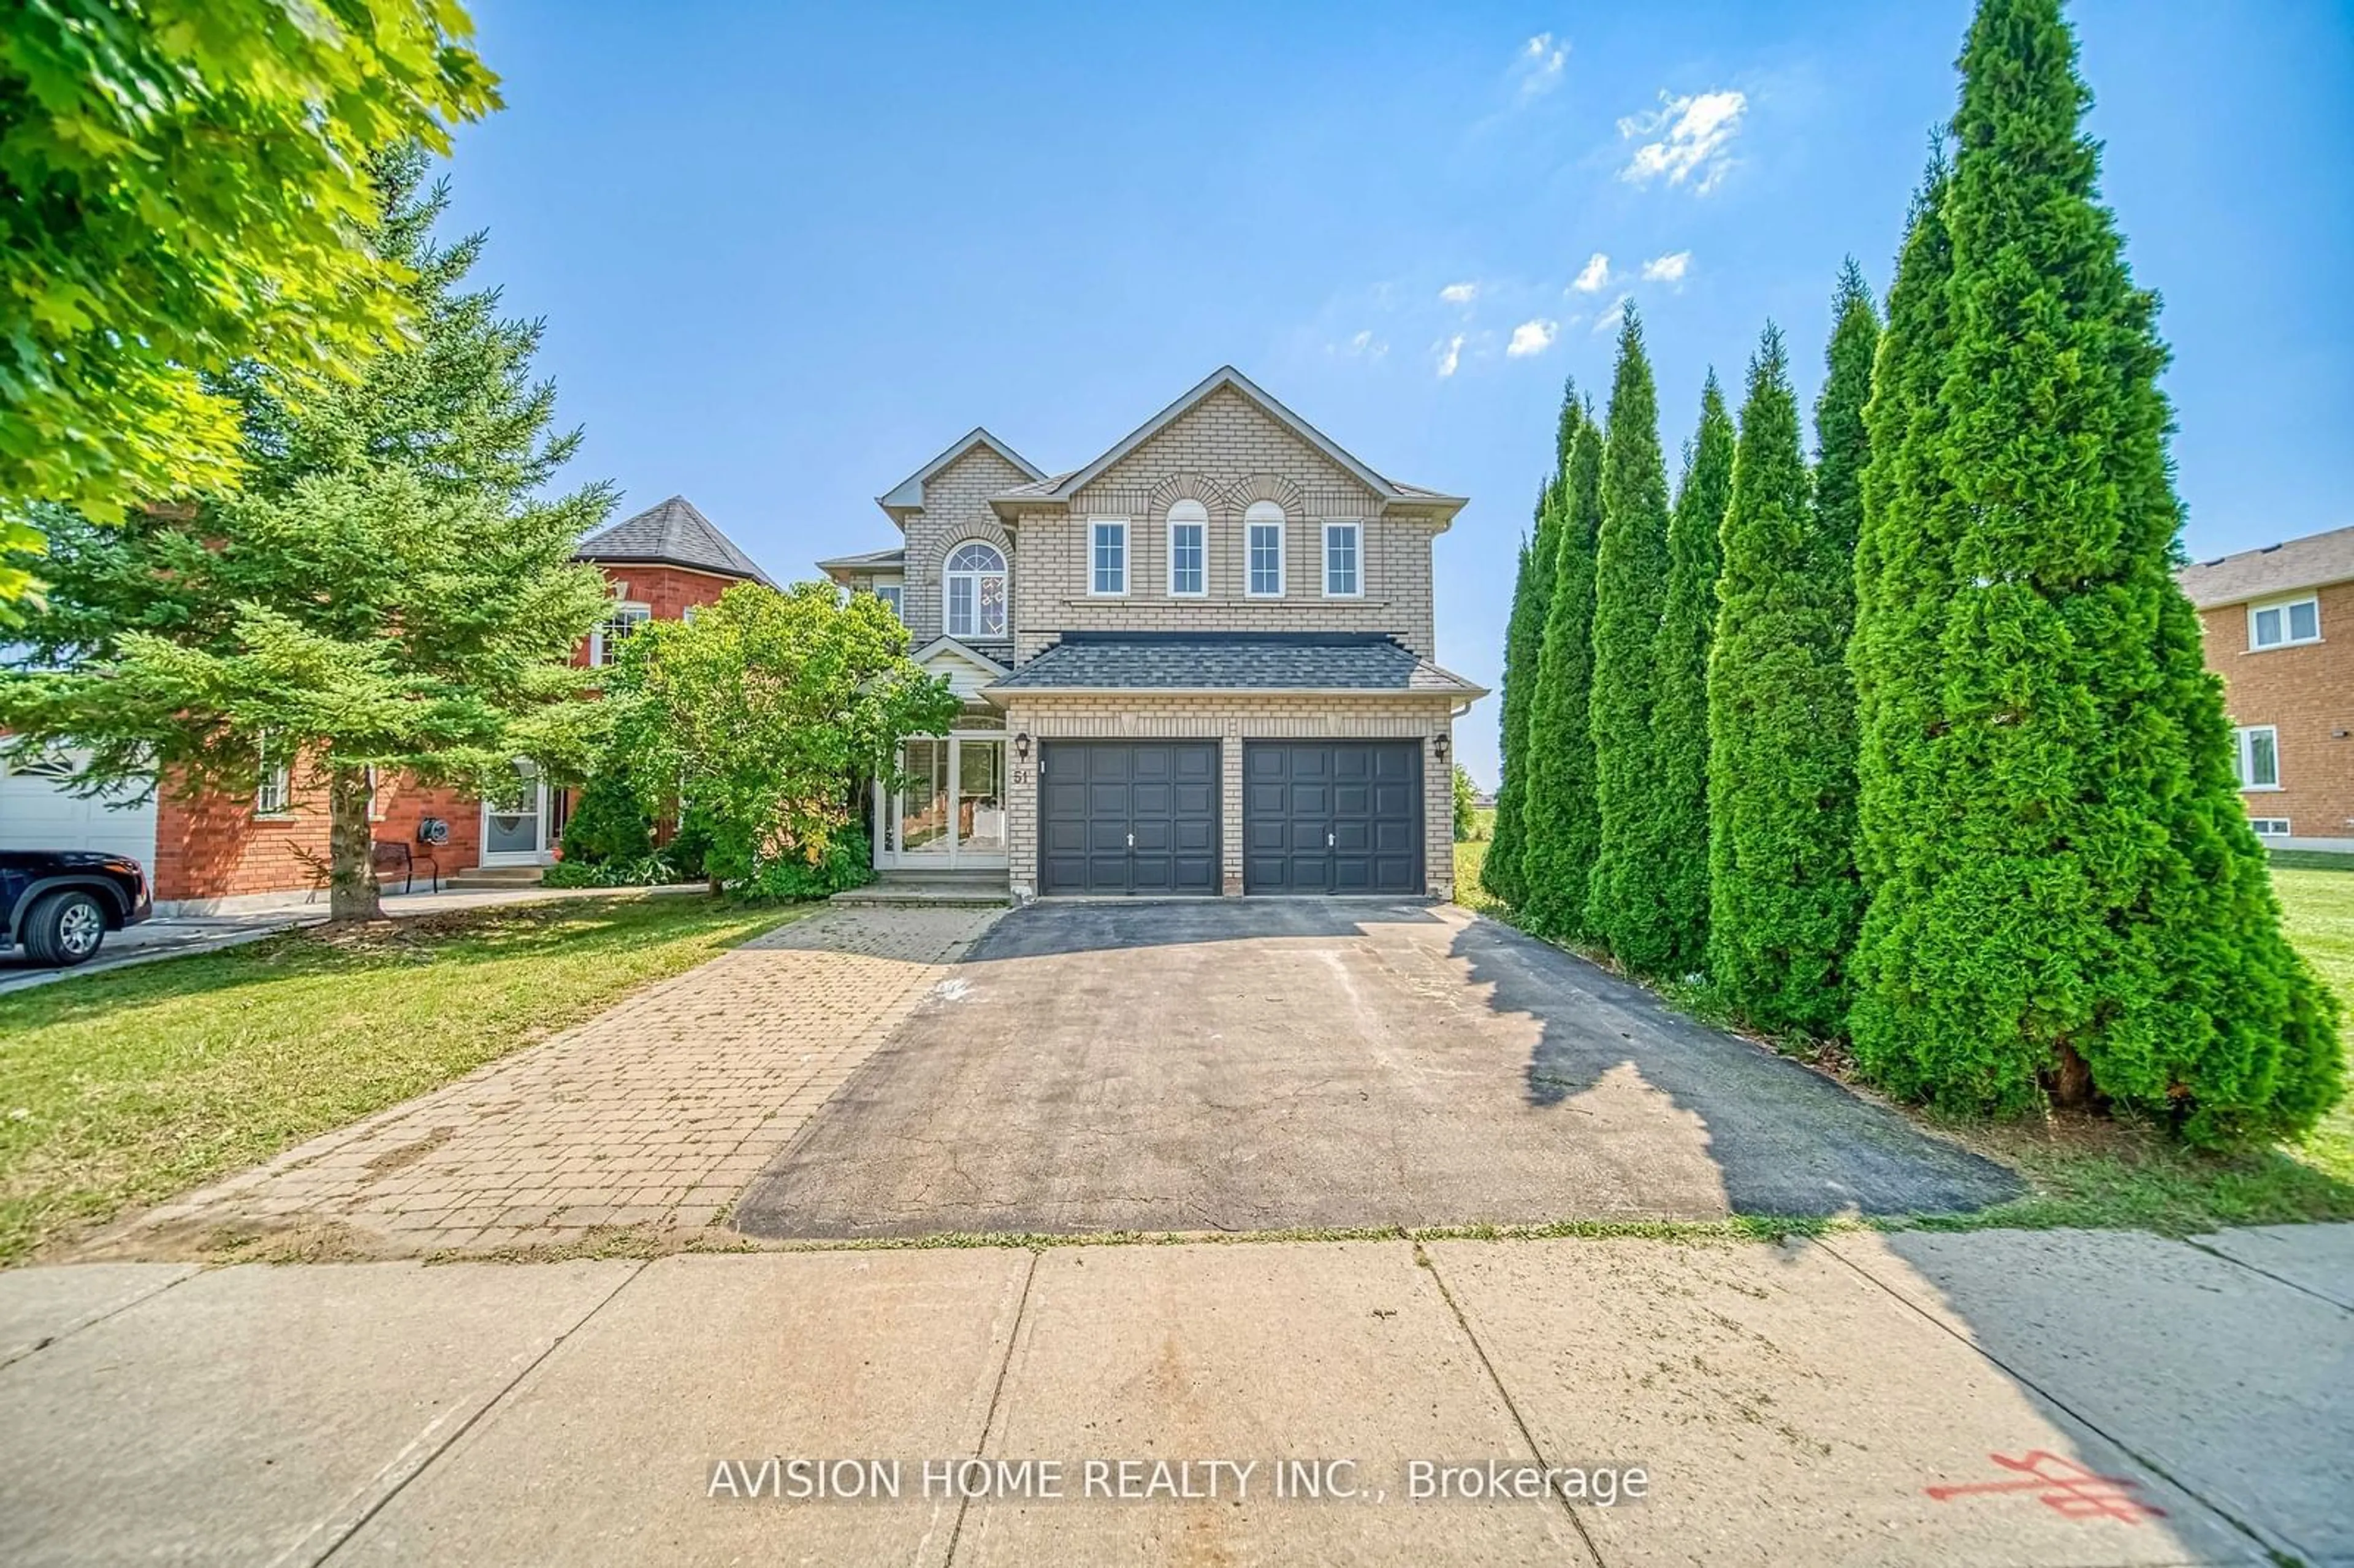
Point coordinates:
[[39, 811], [1146, 811], [1333, 817]]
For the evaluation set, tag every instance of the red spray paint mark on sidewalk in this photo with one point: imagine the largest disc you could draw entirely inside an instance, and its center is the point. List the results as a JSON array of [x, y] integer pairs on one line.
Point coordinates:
[[2064, 1486]]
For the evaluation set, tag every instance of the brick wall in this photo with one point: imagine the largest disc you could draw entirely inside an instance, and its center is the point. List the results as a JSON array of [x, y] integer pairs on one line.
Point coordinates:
[[2307, 692], [211, 847], [956, 508], [1227, 452], [1230, 720], [667, 592]]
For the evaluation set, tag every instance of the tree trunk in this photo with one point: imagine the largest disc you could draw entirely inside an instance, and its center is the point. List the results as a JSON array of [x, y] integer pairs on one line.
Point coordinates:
[[352, 893], [2072, 1088]]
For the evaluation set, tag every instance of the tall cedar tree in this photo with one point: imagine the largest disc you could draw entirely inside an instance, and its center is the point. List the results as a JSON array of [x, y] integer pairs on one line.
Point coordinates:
[[1626, 909], [1564, 828], [1502, 874], [1679, 664], [1783, 896], [2072, 903], [384, 593]]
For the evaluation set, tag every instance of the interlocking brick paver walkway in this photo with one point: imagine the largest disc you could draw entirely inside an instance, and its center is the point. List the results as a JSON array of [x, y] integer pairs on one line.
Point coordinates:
[[652, 1114]]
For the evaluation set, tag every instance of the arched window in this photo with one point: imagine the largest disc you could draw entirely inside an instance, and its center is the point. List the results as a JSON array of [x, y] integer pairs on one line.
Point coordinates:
[[1189, 553], [1263, 549], [975, 577]]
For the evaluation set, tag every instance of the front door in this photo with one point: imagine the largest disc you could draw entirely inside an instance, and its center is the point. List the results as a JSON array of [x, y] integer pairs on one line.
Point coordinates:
[[952, 811], [516, 830]]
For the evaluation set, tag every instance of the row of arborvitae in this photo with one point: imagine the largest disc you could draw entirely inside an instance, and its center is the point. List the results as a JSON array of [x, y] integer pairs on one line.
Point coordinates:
[[1914, 744]]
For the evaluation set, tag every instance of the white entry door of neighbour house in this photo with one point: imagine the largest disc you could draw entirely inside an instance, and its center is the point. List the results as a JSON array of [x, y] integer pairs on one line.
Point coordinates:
[[515, 831], [952, 810]]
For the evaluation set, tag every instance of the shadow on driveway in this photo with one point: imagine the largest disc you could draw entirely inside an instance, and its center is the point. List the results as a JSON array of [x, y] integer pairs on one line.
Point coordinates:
[[1232, 1064]]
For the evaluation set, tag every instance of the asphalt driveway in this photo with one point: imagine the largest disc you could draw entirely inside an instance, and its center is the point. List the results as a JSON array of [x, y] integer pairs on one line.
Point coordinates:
[[1238, 1065]]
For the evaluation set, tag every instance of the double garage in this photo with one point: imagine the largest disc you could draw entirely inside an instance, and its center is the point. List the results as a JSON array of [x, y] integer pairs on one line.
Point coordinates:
[[1142, 817]]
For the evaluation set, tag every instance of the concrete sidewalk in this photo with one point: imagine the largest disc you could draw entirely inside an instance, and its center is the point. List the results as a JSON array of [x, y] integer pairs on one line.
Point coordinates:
[[2000, 1397]]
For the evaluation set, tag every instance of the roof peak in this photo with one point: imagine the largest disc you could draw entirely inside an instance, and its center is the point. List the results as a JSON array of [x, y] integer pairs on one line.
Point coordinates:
[[672, 533]]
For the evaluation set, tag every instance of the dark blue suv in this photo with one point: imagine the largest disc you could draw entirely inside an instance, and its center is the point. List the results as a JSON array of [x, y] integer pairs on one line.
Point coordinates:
[[59, 905]]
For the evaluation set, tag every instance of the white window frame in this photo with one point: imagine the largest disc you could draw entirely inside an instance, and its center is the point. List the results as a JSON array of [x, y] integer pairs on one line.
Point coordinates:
[[1265, 514], [2243, 762], [273, 791], [2287, 609], [1189, 514], [2272, 827], [948, 592], [1096, 527], [1356, 556], [895, 594], [604, 651]]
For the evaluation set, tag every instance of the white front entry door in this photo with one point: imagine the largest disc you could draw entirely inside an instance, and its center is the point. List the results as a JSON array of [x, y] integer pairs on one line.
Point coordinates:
[[514, 832], [952, 812]]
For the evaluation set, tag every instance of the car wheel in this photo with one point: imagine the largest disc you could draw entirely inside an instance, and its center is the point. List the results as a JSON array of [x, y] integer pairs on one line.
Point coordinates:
[[64, 929]]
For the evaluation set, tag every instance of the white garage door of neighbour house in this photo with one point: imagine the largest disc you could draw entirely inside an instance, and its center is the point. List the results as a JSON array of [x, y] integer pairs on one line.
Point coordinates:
[[39, 811]]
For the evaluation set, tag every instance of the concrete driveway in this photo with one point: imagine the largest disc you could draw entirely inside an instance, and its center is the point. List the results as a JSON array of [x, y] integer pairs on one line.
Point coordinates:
[[1232, 1064]]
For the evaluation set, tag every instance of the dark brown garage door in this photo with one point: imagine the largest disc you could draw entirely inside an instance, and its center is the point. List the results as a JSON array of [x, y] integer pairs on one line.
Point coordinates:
[[1333, 816], [1118, 816]]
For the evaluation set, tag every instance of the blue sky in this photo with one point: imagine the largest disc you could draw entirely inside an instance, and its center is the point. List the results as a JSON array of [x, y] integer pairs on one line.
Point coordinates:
[[787, 254]]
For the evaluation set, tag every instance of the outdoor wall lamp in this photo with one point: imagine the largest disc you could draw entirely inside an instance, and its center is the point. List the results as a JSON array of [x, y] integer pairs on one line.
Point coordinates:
[[1022, 746], [1438, 747]]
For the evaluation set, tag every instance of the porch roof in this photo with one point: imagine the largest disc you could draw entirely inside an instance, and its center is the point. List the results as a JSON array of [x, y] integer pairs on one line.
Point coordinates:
[[1370, 662]]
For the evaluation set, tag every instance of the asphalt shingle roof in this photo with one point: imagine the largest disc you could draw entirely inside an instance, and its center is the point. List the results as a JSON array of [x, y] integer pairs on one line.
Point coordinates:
[[672, 533], [2311, 562], [1232, 661]]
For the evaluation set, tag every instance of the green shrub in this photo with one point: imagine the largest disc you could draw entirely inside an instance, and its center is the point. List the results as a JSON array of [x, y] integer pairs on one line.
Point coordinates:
[[847, 862], [644, 871], [1563, 827], [609, 822]]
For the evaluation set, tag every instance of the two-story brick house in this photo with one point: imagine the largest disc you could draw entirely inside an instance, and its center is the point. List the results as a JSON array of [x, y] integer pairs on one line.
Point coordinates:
[[2278, 625], [215, 850], [1201, 662]]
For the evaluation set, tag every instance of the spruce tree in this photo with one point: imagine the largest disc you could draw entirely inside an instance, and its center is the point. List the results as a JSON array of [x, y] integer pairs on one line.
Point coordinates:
[[1680, 665], [1564, 828], [1625, 907], [2072, 905], [1783, 896], [1503, 873]]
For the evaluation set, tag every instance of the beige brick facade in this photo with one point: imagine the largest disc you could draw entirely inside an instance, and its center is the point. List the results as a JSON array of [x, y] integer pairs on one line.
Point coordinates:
[[956, 508], [2304, 693], [1232, 719]]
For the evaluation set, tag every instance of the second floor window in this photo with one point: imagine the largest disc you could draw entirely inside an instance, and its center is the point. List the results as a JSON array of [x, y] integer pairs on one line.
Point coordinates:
[[889, 593], [1110, 556], [1189, 527], [2281, 625], [613, 633], [1263, 545], [1342, 579], [2259, 756], [976, 590]]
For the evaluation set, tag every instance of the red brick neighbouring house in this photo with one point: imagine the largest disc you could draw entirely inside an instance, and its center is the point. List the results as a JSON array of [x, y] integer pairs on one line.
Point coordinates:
[[214, 851], [2279, 628]]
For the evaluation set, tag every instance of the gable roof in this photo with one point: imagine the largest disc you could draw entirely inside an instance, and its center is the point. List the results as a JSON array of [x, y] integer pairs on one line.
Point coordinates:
[[891, 560], [672, 534], [2314, 561], [1064, 486], [909, 492]]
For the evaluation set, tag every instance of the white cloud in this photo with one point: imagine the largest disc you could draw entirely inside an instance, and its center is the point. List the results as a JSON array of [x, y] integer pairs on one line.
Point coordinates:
[[1450, 354], [1609, 320], [1363, 346], [1668, 268], [1531, 337], [1596, 273], [1459, 293], [1539, 65], [1694, 139]]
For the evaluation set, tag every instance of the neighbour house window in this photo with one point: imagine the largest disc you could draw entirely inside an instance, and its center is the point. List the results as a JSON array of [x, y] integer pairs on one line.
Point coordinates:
[[890, 593], [1110, 575], [274, 794], [1189, 528], [605, 643], [976, 590], [1340, 574], [2285, 624], [2259, 756], [2270, 826], [1263, 542]]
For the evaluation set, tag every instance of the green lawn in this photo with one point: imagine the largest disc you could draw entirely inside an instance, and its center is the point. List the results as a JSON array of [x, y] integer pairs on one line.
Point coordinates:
[[2086, 1171], [122, 1089]]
